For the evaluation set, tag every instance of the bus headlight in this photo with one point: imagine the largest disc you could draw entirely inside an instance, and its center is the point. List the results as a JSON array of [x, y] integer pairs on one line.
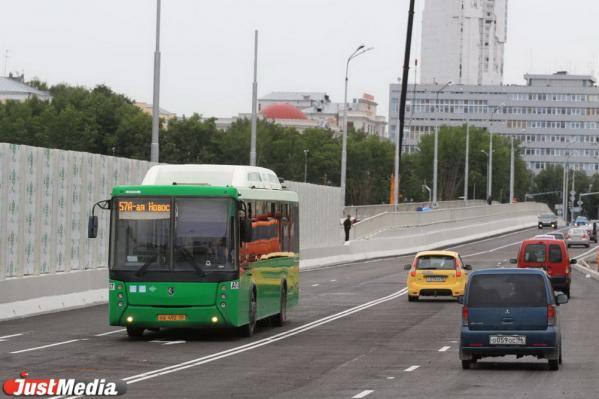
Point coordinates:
[[214, 319], [129, 319]]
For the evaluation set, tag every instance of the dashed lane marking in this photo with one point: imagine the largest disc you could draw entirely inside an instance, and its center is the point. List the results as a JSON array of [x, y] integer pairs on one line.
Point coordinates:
[[411, 368], [315, 285], [45, 346], [110, 332], [363, 394], [174, 342], [444, 348], [4, 338]]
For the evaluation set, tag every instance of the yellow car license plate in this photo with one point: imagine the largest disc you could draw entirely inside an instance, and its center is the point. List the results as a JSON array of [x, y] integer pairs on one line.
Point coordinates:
[[172, 317]]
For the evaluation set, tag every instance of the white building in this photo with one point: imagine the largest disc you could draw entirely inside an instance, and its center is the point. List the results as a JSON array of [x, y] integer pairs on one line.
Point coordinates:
[[463, 41], [14, 88]]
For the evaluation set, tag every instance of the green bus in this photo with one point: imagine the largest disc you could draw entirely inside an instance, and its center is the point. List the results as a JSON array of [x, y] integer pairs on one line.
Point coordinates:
[[201, 246]]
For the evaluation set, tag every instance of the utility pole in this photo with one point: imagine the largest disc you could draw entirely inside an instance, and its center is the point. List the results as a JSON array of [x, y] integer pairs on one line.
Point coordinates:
[[512, 172], [154, 149], [466, 162], [254, 103], [402, 101]]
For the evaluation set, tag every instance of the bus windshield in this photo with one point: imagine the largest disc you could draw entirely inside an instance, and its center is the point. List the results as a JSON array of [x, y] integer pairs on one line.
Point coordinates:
[[162, 234]]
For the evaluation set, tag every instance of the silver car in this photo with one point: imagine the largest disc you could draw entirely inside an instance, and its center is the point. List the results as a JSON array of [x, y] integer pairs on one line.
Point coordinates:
[[578, 236]]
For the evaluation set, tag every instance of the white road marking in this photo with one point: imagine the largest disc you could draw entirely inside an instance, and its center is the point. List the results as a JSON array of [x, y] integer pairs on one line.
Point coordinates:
[[45, 346], [587, 276], [390, 378], [491, 238], [582, 255], [492, 250], [363, 394], [110, 332], [333, 281], [444, 349], [315, 285], [411, 368], [454, 342], [174, 342], [4, 338], [262, 342]]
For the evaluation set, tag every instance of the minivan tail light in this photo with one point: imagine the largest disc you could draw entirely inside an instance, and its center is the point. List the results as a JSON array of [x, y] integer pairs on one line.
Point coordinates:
[[551, 315], [458, 272], [413, 272], [464, 315]]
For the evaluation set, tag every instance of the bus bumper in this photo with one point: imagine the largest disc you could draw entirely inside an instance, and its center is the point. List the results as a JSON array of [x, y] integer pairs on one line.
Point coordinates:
[[172, 317]]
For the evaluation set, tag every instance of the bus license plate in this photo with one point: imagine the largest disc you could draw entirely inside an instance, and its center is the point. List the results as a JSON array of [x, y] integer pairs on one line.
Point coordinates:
[[507, 340], [172, 317]]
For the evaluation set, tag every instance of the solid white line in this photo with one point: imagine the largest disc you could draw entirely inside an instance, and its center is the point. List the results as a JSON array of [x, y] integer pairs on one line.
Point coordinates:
[[45, 346], [492, 250], [174, 342], [411, 368], [315, 285], [110, 332], [363, 394], [490, 238], [444, 349], [262, 342], [10, 336], [585, 253]]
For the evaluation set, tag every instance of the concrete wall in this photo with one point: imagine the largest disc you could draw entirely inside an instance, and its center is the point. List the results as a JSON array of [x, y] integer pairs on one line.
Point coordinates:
[[366, 211]]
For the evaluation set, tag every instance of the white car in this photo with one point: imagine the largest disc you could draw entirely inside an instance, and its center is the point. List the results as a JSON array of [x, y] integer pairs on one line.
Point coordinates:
[[578, 236]]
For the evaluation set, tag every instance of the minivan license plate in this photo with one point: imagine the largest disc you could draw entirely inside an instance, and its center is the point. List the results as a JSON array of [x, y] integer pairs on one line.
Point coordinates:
[[507, 340]]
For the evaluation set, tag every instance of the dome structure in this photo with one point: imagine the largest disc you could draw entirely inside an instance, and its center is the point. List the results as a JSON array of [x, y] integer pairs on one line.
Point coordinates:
[[283, 111]]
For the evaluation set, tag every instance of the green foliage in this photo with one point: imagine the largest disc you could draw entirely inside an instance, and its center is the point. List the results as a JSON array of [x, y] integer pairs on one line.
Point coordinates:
[[418, 167]]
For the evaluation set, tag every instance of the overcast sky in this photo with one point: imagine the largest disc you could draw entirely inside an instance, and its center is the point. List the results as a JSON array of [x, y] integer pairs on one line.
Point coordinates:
[[207, 46]]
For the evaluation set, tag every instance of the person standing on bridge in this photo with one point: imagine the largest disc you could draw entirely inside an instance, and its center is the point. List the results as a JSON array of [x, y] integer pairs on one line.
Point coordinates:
[[347, 227]]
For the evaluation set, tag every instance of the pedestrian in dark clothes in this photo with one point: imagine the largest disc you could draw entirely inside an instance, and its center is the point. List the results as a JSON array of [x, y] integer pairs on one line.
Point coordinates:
[[347, 227]]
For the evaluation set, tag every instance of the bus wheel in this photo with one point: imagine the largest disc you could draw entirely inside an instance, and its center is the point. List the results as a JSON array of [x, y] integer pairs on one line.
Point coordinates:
[[248, 329], [135, 332], [280, 319]]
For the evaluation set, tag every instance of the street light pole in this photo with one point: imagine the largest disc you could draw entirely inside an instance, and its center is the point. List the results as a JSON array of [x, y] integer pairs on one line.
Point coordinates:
[[154, 148], [490, 166], [306, 165], [254, 103], [436, 151], [512, 165], [467, 162], [359, 51]]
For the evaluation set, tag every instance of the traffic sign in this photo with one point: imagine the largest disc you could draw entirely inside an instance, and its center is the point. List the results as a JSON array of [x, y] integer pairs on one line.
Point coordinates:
[[572, 192], [559, 212], [576, 209], [579, 202]]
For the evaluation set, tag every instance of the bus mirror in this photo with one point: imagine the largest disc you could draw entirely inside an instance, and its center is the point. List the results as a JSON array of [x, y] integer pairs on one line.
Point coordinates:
[[92, 227], [246, 230]]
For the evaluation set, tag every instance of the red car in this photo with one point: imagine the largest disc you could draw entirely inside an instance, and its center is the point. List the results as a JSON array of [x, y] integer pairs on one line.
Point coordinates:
[[550, 255]]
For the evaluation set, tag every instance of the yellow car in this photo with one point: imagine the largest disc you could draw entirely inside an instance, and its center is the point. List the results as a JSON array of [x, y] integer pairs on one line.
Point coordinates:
[[436, 273]]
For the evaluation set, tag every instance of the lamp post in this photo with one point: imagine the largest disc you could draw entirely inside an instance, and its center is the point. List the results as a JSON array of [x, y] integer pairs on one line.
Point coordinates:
[[467, 160], [154, 148], [436, 152], [512, 165], [254, 103], [357, 52], [490, 167], [306, 165]]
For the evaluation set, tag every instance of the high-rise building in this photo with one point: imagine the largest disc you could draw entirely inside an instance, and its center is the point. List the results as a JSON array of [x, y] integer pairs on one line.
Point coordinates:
[[463, 41], [554, 117]]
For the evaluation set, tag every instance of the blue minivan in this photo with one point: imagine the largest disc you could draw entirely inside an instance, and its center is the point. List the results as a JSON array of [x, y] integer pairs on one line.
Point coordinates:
[[510, 312]]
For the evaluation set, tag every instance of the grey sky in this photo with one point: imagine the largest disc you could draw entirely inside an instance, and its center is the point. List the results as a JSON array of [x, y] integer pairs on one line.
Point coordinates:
[[207, 46]]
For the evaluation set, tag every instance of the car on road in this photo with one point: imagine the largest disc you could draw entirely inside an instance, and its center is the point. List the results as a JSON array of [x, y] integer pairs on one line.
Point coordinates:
[[547, 220], [578, 236], [510, 312], [592, 230], [581, 221], [557, 235], [436, 273], [550, 255]]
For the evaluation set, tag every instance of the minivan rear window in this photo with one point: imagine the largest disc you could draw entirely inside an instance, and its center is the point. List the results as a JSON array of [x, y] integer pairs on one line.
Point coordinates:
[[555, 254], [498, 290], [435, 262], [534, 253]]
